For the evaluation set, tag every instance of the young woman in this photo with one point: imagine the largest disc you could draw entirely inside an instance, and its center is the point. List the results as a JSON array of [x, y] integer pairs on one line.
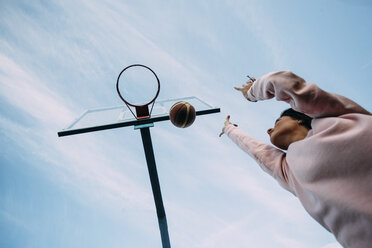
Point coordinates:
[[328, 158]]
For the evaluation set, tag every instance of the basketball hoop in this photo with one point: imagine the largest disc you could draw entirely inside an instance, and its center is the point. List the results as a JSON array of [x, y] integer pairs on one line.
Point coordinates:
[[142, 111]]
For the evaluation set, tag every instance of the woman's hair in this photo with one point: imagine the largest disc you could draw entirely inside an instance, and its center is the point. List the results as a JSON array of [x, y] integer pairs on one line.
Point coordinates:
[[306, 120]]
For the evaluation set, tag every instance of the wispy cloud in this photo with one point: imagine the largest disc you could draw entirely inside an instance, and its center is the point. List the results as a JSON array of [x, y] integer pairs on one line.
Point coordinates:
[[366, 65], [332, 245], [30, 95], [261, 26], [290, 242], [83, 158]]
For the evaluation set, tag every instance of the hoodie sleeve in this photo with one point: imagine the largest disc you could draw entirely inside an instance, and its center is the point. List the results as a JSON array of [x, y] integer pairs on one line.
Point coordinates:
[[303, 97], [271, 160]]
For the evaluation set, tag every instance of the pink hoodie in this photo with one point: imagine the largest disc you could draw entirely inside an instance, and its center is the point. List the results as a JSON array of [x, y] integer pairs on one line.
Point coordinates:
[[330, 171]]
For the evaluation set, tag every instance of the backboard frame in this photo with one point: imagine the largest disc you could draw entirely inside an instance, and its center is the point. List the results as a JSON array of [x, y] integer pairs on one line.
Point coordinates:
[[135, 122]]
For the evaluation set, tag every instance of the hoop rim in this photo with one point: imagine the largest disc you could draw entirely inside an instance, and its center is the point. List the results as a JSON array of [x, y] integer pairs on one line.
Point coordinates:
[[131, 104]]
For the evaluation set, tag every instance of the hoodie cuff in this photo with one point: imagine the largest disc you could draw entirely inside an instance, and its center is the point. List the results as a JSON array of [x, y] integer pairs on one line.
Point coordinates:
[[250, 97], [229, 128]]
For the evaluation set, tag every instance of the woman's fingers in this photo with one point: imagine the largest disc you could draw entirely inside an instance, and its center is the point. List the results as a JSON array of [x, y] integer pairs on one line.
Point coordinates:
[[244, 86], [227, 122]]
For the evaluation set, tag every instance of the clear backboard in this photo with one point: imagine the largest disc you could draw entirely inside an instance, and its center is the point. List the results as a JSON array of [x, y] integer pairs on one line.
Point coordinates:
[[120, 116]]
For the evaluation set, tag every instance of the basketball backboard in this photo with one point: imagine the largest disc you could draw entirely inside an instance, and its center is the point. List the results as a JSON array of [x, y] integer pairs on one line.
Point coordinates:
[[120, 116], [147, 110]]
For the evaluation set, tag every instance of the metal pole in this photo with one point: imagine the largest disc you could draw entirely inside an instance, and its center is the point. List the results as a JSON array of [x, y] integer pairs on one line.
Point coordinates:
[[150, 159]]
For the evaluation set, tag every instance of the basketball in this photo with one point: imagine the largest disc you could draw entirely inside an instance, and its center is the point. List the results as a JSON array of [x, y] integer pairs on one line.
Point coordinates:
[[182, 114]]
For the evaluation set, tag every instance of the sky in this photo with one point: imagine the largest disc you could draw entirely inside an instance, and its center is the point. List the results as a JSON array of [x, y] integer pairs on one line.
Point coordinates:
[[58, 58]]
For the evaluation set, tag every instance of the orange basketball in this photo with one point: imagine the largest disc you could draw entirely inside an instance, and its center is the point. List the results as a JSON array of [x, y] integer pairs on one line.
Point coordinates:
[[182, 114]]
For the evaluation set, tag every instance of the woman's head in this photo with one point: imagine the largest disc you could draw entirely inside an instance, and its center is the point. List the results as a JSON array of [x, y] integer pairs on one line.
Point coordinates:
[[290, 127], [305, 120]]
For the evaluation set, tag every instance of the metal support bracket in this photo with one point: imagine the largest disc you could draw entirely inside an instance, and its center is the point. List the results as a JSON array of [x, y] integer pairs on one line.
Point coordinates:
[[143, 126]]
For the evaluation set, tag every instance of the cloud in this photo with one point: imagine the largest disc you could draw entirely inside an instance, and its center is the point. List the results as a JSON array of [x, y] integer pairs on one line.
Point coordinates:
[[332, 245], [366, 65], [230, 231], [29, 95], [253, 16], [81, 160], [289, 242], [248, 232]]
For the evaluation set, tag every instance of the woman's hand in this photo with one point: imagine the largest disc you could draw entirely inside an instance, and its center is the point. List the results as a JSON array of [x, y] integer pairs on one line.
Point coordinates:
[[246, 87], [227, 122]]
